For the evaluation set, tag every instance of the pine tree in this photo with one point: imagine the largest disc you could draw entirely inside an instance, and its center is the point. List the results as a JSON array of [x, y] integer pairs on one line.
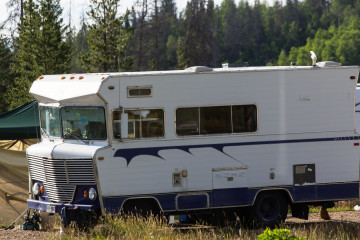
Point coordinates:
[[80, 48], [40, 48], [168, 34], [25, 66], [54, 55], [5, 74], [107, 39], [232, 29], [199, 35]]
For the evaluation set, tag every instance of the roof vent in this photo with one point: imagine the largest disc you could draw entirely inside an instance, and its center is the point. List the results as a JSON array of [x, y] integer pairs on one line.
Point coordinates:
[[328, 64], [199, 69]]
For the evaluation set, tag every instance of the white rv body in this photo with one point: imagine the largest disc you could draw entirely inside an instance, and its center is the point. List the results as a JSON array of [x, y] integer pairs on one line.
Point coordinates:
[[357, 108], [304, 145]]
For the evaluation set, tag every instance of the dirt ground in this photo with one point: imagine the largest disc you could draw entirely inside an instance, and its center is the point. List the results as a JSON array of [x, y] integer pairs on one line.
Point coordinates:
[[351, 217], [342, 216]]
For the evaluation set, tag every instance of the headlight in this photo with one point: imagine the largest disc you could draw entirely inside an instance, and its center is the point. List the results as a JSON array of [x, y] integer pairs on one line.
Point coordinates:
[[92, 194], [36, 189]]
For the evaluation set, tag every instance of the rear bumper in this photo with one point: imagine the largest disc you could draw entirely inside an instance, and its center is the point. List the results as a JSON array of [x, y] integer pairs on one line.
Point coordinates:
[[51, 207]]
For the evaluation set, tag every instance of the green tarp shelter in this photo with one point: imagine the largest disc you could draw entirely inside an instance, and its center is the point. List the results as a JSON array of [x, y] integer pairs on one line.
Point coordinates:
[[20, 123]]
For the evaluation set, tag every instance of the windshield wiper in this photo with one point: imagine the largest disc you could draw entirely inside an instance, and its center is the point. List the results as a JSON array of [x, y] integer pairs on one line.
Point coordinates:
[[75, 136], [45, 132]]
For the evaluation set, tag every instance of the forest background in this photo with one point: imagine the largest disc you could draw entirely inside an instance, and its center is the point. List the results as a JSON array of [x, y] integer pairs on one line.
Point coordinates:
[[155, 35]]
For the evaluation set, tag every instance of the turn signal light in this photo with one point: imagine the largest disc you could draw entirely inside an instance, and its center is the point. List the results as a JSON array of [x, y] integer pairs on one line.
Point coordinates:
[[86, 194]]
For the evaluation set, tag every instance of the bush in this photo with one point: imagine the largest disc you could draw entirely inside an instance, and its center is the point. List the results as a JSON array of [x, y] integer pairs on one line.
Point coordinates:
[[278, 234]]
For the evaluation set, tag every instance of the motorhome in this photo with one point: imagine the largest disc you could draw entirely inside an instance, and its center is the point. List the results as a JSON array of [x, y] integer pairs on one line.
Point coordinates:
[[196, 141]]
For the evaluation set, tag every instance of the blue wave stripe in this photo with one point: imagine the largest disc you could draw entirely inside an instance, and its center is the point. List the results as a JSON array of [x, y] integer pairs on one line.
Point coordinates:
[[130, 153]]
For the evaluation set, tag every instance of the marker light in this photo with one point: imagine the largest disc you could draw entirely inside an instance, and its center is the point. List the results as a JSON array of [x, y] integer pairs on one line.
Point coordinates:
[[81, 77], [36, 189], [42, 190], [41, 77], [72, 77], [63, 77], [86, 194], [92, 194]]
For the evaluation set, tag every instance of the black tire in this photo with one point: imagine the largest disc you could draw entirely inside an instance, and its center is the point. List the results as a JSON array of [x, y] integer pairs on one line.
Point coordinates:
[[270, 209], [142, 208]]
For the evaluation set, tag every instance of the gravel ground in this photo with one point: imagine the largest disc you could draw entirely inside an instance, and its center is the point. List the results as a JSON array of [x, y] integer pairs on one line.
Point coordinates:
[[351, 217]]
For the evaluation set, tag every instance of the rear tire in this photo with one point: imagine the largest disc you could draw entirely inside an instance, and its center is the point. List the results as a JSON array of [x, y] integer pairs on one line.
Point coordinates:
[[270, 209]]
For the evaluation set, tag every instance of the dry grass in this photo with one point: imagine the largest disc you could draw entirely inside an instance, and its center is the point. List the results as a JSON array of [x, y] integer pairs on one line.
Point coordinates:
[[133, 227]]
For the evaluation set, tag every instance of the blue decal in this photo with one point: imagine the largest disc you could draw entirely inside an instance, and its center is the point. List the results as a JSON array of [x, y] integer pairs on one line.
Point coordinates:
[[130, 153]]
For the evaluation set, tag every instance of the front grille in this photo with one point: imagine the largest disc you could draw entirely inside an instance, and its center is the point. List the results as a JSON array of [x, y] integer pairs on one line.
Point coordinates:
[[60, 176]]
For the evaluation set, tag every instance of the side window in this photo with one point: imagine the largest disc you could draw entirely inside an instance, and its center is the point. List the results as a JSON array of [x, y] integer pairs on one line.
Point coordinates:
[[244, 118], [142, 123], [187, 121], [216, 120], [136, 91]]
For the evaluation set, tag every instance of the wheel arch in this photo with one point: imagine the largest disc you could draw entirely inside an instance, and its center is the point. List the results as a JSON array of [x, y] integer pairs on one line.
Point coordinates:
[[141, 201], [281, 191]]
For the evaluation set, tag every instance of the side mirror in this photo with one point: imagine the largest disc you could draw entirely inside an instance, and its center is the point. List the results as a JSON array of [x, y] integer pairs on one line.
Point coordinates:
[[124, 125]]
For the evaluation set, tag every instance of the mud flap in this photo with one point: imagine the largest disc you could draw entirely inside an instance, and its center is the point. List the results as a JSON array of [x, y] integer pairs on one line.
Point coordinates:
[[300, 210], [75, 215]]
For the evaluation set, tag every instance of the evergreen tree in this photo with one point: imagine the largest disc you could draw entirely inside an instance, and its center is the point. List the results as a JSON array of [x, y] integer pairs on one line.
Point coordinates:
[[168, 34], [25, 66], [199, 37], [141, 50], [107, 39], [40, 48], [80, 48], [54, 52], [5, 74], [232, 30], [182, 60]]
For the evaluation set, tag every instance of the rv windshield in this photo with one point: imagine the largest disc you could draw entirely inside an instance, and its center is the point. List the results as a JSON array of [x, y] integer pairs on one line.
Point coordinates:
[[50, 121], [83, 123]]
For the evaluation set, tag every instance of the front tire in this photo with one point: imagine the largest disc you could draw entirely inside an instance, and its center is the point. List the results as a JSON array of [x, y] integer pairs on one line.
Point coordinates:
[[270, 209]]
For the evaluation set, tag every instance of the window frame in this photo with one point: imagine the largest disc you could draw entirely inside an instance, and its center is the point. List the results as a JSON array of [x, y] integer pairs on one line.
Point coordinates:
[[149, 87], [231, 120], [137, 109], [81, 106], [48, 135]]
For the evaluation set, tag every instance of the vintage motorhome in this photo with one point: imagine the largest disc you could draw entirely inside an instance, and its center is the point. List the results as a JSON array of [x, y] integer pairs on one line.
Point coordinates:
[[196, 141]]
